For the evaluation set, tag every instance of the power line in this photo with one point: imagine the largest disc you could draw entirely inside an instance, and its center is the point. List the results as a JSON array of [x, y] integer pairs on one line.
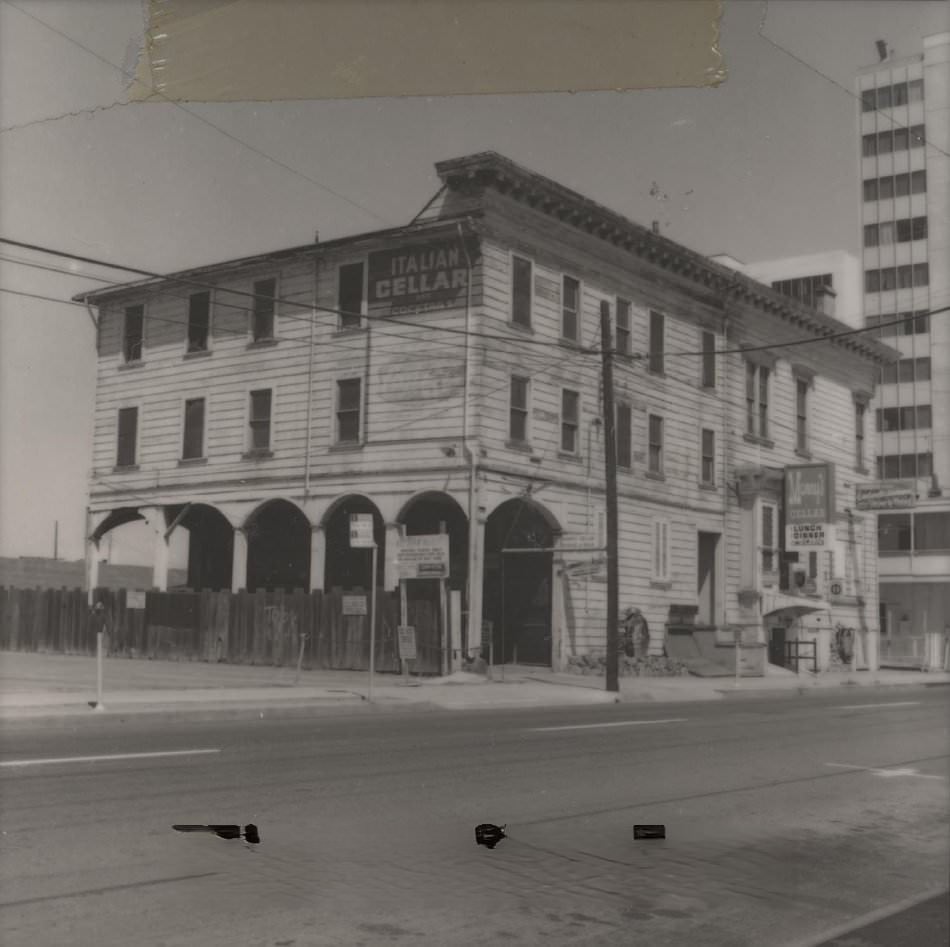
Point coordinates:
[[835, 82], [260, 153], [309, 307]]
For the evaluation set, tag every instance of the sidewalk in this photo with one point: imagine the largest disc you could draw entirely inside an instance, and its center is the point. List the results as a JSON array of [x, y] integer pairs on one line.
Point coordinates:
[[54, 686]]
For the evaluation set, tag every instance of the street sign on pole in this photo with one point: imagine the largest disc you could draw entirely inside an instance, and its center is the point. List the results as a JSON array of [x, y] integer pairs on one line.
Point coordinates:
[[361, 531]]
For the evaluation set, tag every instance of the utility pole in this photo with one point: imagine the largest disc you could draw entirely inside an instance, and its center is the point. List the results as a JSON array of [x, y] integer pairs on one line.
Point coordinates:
[[610, 462]]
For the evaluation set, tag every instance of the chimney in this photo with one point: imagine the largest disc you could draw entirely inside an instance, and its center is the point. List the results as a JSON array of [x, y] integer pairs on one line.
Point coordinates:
[[825, 300], [316, 236], [881, 50], [656, 226]]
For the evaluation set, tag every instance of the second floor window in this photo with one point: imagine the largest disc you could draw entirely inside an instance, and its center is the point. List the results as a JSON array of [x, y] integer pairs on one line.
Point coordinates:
[[570, 308], [260, 419], [518, 417], [860, 410], [199, 321], [133, 331], [623, 327], [624, 435], [265, 291], [127, 439], [350, 295], [757, 399], [656, 444], [570, 416], [768, 539], [194, 435], [656, 342], [708, 460], [801, 414], [708, 378], [348, 404], [521, 277]]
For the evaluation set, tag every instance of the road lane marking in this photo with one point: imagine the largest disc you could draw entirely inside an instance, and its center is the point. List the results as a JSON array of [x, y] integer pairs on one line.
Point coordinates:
[[615, 723], [108, 756], [893, 703], [887, 773]]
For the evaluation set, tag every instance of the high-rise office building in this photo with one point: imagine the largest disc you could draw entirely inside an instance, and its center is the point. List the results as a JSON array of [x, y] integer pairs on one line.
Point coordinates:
[[904, 116]]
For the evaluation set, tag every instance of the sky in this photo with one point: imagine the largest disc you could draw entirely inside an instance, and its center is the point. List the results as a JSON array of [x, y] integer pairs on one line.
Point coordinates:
[[762, 166]]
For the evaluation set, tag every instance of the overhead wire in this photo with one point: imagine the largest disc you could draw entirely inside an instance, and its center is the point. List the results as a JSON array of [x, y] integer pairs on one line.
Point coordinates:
[[152, 91]]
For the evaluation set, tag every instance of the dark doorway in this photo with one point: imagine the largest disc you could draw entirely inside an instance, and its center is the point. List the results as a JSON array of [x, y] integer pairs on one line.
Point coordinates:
[[707, 578], [210, 546], [517, 584], [346, 567], [777, 646], [278, 548]]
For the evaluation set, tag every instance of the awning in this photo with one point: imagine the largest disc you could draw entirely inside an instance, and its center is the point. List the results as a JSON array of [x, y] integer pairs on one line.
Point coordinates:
[[791, 606]]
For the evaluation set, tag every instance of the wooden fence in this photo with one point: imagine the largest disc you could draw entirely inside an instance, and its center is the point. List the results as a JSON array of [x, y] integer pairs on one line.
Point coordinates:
[[242, 628]]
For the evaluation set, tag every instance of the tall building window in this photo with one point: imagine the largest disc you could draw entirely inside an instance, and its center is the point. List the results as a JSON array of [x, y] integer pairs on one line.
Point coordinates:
[[757, 399], [708, 456], [348, 404], [624, 434], [860, 409], [918, 182], [127, 437], [901, 323], [570, 308], [570, 419], [656, 444], [918, 137], [801, 414], [623, 326], [199, 321], [133, 330], [868, 100], [259, 420], [265, 292], [904, 466], [804, 288], [518, 410], [521, 277], [194, 429], [915, 90], [912, 417], [886, 188], [893, 532], [350, 295], [656, 342], [708, 378], [870, 189]]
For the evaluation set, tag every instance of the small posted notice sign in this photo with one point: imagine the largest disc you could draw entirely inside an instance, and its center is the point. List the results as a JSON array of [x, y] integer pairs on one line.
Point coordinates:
[[407, 642]]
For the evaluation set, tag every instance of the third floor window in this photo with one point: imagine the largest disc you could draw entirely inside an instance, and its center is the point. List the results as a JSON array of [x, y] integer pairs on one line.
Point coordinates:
[[199, 321]]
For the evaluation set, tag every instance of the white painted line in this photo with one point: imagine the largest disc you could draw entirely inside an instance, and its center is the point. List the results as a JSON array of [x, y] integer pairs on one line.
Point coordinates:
[[110, 756], [616, 723], [893, 703], [887, 773]]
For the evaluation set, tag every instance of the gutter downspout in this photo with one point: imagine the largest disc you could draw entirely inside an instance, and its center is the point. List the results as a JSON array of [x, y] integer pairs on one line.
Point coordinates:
[[473, 603], [313, 321]]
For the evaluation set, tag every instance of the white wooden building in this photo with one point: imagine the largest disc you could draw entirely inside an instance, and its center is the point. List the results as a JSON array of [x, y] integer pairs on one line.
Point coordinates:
[[447, 373]]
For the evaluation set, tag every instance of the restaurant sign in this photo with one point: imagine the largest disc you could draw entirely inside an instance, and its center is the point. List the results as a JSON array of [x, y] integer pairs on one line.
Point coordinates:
[[418, 277], [809, 506]]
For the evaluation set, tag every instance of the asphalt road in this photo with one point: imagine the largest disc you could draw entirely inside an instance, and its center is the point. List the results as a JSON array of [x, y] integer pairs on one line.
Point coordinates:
[[789, 822]]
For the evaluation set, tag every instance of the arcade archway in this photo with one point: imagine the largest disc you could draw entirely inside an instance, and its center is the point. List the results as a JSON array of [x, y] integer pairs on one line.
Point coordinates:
[[278, 547], [346, 567], [210, 545], [517, 592]]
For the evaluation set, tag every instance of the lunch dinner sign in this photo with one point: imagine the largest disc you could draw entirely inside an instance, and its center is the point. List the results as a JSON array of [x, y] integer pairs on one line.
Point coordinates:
[[418, 277], [809, 506]]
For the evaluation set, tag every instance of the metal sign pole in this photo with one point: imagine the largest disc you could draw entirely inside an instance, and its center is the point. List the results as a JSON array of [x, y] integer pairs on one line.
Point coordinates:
[[372, 622], [403, 620]]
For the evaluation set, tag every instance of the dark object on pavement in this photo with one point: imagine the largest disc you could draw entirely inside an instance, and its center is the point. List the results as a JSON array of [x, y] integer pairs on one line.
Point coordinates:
[[489, 835], [250, 833], [649, 831]]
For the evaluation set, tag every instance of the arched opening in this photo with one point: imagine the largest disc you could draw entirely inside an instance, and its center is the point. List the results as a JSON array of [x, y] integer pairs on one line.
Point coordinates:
[[348, 567], [434, 513], [210, 545], [517, 592], [278, 547]]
